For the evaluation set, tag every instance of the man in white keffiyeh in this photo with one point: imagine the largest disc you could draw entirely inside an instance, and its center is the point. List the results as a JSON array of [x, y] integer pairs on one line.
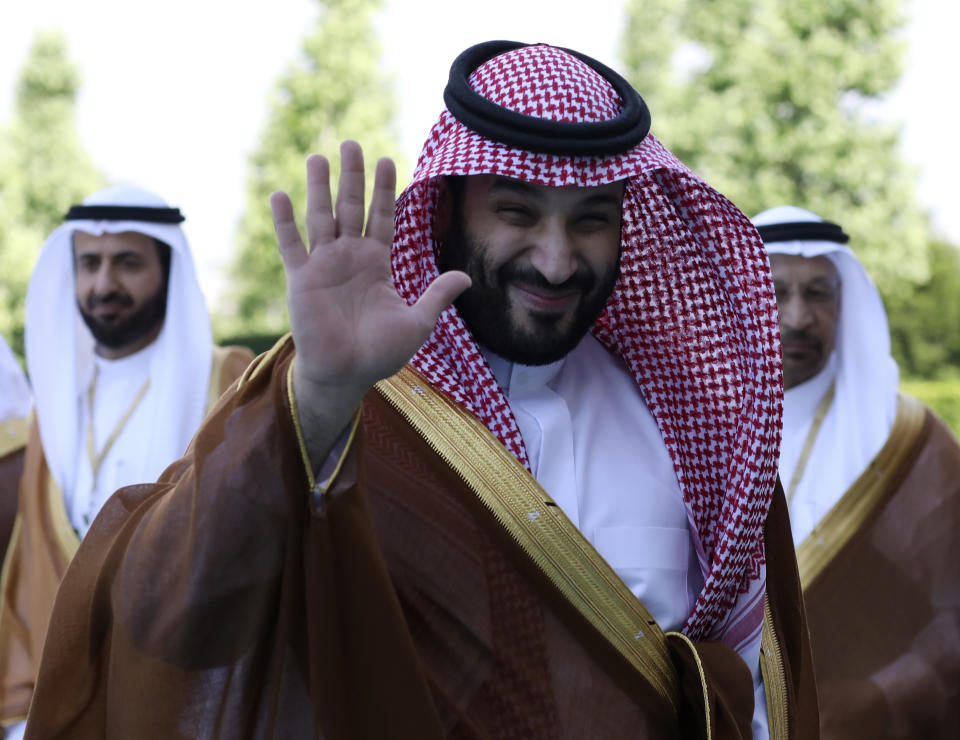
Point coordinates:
[[872, 479], [123, 368], [555, 520]]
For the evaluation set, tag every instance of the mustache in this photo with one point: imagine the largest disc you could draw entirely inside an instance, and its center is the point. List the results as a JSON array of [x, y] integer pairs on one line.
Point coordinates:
[[799, 336], [520, 273], [114, 297]]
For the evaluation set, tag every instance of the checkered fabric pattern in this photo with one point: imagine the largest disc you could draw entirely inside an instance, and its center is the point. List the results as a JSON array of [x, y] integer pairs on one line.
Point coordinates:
[[693, 316]]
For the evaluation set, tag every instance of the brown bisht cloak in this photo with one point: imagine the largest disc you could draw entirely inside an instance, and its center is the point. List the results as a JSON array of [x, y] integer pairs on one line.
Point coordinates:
[[438, 592], [42, 544], [13, 441], [881, 575]]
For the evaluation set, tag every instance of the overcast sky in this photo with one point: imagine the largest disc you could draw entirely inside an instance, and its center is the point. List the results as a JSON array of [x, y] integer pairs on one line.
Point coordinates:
[[175, 93]]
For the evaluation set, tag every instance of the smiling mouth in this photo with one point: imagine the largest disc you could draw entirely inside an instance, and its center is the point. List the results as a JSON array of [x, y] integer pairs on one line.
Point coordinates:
[[800, 348], [545, 300], [109, 309]]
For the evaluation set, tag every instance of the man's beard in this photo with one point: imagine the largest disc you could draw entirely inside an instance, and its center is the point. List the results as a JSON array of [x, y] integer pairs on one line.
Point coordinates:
[[122, 333], [798, 370], [485, 306]]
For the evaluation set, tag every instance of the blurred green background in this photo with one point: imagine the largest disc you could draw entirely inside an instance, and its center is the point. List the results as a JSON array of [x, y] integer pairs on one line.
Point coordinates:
[[771, 102]]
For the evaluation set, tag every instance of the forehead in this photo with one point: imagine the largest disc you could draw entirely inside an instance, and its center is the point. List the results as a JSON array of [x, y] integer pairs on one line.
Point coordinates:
[[794, 268], [124, 241], [483, 185]]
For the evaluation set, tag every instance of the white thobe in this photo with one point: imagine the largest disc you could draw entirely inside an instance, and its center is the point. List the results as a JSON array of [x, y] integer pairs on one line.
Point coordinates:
[[808, 503], [118, 383], [595, 448]]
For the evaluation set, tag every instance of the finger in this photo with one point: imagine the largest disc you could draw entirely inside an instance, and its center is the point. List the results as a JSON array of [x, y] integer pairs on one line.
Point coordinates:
[[441, 293], [383, 202], [321, 228], [349, 208], [289, 242]]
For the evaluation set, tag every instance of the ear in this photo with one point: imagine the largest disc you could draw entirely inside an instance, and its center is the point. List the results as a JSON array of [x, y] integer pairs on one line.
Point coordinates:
[[444, 214]]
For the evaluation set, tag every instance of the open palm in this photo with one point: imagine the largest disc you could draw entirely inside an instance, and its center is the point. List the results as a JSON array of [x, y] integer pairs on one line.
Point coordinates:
[[350, 326]]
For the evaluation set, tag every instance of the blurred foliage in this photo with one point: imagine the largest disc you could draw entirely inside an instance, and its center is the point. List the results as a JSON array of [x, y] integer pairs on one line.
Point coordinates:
[[775, 102], [334, 90], [925, 323], [43, 170], [943, 396]]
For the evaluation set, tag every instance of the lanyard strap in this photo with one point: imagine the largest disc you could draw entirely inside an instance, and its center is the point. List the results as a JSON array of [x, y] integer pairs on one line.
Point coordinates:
[[97, 458], [818, 417]]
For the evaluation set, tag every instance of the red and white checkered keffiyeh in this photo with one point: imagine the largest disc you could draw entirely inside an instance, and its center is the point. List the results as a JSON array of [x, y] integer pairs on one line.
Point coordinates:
[[693, 315]]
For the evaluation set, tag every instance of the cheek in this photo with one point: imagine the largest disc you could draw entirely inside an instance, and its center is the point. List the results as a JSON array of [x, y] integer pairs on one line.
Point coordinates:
[[82, 284], [142, 284], [603, 253], [830, 323]]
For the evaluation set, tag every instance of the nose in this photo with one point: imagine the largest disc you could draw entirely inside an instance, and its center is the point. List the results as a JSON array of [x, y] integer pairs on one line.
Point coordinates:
[[553, 253], [795, 313], [104, 281]]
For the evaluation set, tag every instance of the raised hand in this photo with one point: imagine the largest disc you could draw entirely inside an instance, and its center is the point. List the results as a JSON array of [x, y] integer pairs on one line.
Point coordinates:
[[349, 325]]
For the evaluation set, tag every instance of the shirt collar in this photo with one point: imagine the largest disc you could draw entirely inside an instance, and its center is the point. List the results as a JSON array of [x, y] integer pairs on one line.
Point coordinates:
[[800, 402], [515, 378]]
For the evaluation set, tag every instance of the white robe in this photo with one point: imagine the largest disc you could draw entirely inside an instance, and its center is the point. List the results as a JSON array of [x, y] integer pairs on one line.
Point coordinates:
[[595, 448], [118, 383]]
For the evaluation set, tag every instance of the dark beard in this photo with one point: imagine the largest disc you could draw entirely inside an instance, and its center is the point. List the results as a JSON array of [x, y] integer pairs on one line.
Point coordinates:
[[485, 306], [120, 334]]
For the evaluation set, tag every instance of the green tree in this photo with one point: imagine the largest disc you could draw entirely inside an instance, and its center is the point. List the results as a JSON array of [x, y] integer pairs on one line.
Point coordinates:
[[336, 89], [43, 169], [775, 102], [925, 324]]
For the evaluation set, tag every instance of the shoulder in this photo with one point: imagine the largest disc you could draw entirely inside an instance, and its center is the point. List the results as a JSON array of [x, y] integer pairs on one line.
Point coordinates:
[[934, 452], [228, 364], [14, 433], [916, 417]]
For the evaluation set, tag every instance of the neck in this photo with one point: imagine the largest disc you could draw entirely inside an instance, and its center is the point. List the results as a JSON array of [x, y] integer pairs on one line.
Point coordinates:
[[116, 353]]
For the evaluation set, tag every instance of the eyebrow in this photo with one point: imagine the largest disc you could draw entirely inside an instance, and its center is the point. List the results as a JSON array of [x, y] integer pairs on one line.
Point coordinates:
[[817, 281], [509, 185], [518, 187], [80, 253]]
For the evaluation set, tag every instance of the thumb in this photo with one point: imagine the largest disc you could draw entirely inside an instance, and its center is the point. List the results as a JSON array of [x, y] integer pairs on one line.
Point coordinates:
[[443, 291]]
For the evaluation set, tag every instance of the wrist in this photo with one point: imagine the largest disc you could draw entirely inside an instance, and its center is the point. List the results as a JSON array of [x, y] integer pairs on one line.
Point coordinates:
[[323, 411]]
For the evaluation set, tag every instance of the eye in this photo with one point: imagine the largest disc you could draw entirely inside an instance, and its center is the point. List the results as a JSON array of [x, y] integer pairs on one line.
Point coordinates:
[[516, 213], [819, 295], [130, 262], [593, 221]]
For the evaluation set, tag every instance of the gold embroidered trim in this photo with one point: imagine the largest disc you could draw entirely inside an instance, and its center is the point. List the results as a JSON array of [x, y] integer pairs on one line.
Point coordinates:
[[12, 549], [60, 520], [774, 679], [315, 487], [216, 371], [13, 434], [704, 690], [848, 514], [261, 361], [537, 524]]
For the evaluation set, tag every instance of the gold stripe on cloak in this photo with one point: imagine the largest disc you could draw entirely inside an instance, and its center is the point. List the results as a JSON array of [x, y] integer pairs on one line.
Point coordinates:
[[846, 517], [59, 519], [774, 678], [13, 434], [214, 390], [538, 525]]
